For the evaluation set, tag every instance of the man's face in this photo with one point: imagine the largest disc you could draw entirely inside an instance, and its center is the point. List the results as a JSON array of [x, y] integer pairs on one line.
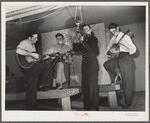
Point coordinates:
[[87, 30], [114, 31], [34, 38], [60, 39]]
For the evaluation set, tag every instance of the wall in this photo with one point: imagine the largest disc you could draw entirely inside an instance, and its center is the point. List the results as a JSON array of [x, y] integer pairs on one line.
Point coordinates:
[[11, 62], [138, 38]]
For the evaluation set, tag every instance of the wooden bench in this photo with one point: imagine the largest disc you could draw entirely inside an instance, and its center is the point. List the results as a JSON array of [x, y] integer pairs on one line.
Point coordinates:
[[63, 94], [110, 92]]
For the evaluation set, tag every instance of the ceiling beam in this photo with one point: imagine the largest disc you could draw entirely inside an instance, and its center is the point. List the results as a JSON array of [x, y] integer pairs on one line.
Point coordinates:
[[18, 14]]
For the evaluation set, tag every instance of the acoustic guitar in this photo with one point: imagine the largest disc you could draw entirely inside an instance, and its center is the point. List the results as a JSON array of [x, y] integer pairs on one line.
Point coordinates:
[[116, 47], [58, 58], [27, 62]]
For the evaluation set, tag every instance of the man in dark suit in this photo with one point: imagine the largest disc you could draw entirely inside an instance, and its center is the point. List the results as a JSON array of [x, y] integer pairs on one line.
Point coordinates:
[[88, 44]]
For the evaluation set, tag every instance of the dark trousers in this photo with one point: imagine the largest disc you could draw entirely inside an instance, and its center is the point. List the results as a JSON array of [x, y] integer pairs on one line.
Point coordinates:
[[125, 63], [110, 67], [32, 75], [67, 75], [90, 90]]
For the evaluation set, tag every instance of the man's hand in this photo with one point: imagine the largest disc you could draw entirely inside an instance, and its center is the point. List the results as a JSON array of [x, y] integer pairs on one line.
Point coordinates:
[[81, 38], [52, 57], [35, 55], [46, 57], [113, 50]]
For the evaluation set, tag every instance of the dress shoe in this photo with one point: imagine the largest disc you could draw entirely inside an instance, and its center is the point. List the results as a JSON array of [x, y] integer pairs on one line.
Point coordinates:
[[126, 106], [59, 86], [44, 88], [116, 81], [85, 109]]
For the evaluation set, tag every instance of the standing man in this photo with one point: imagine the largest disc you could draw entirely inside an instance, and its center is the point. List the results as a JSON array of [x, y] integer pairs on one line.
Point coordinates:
[[27, 49], [89, 46], [62, 67], [124, 62]]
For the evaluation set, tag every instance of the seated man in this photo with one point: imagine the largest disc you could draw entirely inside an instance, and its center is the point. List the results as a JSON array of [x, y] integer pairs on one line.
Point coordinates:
[[60, 47]]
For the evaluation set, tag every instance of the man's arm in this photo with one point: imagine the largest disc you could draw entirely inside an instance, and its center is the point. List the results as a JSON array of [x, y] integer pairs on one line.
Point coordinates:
[[89, 47], [25, 53], [93, 46], [77, 47], [21, 49], [129, 44]]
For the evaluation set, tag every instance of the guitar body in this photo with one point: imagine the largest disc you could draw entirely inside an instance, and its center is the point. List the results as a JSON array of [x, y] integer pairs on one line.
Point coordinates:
[[116, 49], [23, 62]]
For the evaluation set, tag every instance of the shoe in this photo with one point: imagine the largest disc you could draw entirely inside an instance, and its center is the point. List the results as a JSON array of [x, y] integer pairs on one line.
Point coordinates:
[[59, 88], [126, 106], [112, 83], [44, 88], [116, 81], [85, 109], [120, 105]]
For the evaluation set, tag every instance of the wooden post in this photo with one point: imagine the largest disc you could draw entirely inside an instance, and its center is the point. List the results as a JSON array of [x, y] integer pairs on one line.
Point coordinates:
[[112, 99], [66, 106]]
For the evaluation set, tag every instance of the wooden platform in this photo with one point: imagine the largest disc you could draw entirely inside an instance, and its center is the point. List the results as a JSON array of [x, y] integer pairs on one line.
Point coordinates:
[[63, 94], [109, 91]]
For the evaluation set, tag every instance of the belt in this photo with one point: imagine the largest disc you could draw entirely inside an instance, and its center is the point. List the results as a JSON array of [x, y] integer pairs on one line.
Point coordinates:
[[122, 54]]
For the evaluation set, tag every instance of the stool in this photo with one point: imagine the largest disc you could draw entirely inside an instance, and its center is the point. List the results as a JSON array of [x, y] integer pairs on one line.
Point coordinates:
[[110, 92], [63, 94]]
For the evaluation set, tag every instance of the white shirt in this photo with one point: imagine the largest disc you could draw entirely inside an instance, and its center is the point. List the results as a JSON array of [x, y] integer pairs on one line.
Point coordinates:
[[27, 45], [126, 44], [57, 48]]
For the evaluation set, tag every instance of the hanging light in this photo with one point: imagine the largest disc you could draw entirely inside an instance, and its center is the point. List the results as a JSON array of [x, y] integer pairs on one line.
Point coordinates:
[[78, 17]]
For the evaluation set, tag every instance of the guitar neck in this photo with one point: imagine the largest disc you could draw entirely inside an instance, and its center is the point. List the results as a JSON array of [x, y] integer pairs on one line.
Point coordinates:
[[128, 31]]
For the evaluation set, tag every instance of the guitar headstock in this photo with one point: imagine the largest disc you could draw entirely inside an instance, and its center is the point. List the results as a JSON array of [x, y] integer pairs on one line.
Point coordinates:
[[128, 32]]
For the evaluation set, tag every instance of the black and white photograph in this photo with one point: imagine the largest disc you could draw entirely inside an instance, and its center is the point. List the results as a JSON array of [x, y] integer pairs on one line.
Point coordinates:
[[74, 61]]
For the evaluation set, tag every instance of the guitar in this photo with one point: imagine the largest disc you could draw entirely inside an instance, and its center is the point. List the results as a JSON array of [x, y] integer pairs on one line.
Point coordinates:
[[116, 47], [27, 62], [58, 58]]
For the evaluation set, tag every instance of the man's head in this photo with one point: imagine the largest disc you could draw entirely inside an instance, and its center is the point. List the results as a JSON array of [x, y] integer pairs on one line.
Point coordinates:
[[114, 29], [59, 38], [32, 36], [86, 29]]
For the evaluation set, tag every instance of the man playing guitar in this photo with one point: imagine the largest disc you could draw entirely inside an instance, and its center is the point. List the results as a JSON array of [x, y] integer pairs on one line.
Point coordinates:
[[61, 75], [124, 61], [27, 48]]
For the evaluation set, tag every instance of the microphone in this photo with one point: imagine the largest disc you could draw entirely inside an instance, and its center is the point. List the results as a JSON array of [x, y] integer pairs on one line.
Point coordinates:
[[78, 27]]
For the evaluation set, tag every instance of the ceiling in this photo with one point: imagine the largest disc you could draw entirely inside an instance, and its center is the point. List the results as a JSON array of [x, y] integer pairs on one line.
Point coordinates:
[[63, 17]]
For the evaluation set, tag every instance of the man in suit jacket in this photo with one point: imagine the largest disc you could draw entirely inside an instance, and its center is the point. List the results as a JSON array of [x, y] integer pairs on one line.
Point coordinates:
[[88, 44]]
